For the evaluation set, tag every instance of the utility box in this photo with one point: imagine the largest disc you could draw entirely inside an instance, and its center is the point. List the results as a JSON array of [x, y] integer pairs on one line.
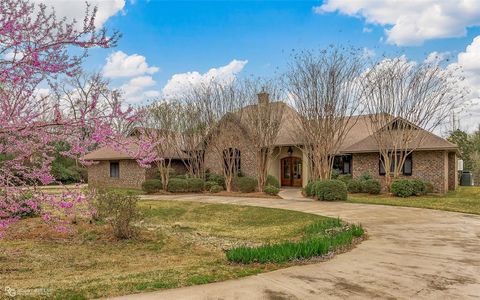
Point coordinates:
[[466, 179]]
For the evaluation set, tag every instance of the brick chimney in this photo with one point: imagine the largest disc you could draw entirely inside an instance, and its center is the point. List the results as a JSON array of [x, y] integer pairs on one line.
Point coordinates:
[[263, 98]]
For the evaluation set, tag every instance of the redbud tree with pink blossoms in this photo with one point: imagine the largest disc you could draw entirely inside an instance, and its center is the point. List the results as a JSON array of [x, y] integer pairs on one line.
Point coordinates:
[[36, 49]]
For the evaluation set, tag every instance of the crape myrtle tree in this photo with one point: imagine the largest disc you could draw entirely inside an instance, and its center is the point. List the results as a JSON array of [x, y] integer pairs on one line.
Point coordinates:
[[404, 100], [221, 106], [161, 127], [35, 49], [324, 89], [193, 129], [262, 118]]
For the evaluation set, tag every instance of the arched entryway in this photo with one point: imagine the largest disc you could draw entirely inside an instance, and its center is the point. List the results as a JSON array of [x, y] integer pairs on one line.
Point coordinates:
[[291, 171]]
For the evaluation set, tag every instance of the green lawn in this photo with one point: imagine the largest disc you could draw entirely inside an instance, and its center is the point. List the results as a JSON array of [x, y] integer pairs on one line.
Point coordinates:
[[464, 199], [181, 244]]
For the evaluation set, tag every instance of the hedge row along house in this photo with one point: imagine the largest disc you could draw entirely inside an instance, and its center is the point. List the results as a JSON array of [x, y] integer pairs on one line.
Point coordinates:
[[433, 159]]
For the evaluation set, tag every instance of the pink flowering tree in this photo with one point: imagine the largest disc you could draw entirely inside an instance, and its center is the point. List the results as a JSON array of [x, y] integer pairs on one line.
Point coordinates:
[[36, 51]]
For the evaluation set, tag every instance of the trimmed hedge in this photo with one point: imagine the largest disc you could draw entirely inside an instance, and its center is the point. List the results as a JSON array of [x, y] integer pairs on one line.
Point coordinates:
[[371, 186], [309, 189], [410, 187], [216, 189], [366, 176], [244, 184], [271, 190], [152, 185], [215, 177], [345, 178], [208, 185], [195, 184], [330, 190], [178, 185], [354, 186], [272, 181]]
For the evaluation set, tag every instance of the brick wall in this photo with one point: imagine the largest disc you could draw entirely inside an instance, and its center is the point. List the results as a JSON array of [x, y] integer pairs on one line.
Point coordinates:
[[131, 175], [452, 171], [431, 166], [230, 136]]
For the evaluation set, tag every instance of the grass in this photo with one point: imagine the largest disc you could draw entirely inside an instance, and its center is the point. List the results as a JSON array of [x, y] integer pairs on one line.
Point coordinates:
[[318, 239], [464, 199], [181, 244]]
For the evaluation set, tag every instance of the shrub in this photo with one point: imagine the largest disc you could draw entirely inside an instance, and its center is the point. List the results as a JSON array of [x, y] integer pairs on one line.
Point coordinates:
[[418, 187], [244, 184], [195, 184], [309, 189], [215, 177], [428, 187], [120, 210], [365, 176], [354, 186], [152, 185], [208, 185], [330, 190], [177, 185], [402, 188], [272, 181], [335, 174], [271, 190], [216, 189], [345, 178], [371, 186]]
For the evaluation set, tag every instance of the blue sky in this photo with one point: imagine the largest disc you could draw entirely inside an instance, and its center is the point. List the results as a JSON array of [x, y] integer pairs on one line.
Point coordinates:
[[171, 38]]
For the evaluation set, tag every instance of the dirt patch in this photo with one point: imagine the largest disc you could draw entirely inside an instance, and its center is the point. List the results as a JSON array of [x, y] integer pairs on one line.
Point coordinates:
[[276, 295]]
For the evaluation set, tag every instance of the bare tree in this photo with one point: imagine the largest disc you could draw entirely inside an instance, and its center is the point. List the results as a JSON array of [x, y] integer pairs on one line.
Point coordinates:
[[77, 94], [161, 127], [221, 104], [404, 101], [193, 130], [325, 92], [262, 118]]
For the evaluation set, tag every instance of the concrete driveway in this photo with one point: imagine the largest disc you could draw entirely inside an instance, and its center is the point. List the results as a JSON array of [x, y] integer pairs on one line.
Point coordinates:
[[410, 253]]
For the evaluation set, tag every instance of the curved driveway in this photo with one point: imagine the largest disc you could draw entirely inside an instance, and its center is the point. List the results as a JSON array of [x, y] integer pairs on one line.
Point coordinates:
[[410, 253]]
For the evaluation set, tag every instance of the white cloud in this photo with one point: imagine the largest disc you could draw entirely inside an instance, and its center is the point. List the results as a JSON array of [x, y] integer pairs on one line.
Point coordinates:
[[469, 62], [178, 83], [134, 89], [411, 22], [437, 57], [367, 29], [76, 9], [368, 53], [119, 64]]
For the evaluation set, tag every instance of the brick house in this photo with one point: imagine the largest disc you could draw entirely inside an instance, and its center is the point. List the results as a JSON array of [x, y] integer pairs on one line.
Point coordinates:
[[435, 159]]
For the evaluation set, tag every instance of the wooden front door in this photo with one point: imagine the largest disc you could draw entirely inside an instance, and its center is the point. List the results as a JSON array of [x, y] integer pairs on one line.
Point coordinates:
[[291, 171]]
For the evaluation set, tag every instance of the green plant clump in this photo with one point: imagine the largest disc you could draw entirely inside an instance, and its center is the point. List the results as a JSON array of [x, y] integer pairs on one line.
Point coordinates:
[[354, 186], [371, 186], [272, 181], [316, 242], [330, 190], [152, 186], [244, 184], [271, 190], [216, 189]]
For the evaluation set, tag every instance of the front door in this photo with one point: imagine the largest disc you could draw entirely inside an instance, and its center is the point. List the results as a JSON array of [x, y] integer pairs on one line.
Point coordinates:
[[291, 171]]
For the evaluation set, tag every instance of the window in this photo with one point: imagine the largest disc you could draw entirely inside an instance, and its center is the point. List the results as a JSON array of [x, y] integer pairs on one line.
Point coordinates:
[[232, 160], [114, 169], [343, 164], [406, 169]]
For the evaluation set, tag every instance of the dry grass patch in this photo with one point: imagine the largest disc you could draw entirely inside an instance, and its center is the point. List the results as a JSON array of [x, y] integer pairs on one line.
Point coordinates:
[[181, 244]]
